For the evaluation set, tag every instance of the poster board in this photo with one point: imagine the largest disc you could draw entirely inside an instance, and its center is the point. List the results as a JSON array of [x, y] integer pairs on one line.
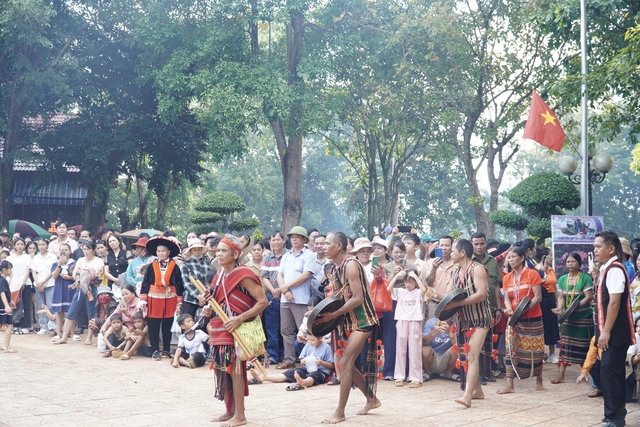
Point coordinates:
[[573, 234]]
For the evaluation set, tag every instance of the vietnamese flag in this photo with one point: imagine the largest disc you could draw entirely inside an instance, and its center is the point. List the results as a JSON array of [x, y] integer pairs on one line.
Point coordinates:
[[543, 125]]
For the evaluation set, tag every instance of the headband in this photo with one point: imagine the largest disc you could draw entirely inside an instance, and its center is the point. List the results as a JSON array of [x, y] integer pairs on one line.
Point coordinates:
[[229, 243], [501, 256]]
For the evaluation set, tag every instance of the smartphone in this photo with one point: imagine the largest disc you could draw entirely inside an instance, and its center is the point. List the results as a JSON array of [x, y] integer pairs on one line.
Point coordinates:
[[590, 256], [374, 261], [404, 228], [404, 263], [438, 252]]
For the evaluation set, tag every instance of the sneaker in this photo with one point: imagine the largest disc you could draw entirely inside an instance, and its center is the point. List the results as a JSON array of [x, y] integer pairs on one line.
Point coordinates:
[[42, 332], [552, 358], [156, 356], [25, 330]]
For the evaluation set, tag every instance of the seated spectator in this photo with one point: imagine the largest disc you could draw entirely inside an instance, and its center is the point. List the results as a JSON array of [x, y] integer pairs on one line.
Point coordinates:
[[137, 339], [591, 366], [438, 357], [114, 337], [633, 366], [105, 307], [190, 343], [127, 308], [317, 364]]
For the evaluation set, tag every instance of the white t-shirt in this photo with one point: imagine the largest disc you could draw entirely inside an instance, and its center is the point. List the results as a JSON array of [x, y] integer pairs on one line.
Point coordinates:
[[95, 266], [409, 305], [193, 345], [41, 267], [21, 265], [615, 278]]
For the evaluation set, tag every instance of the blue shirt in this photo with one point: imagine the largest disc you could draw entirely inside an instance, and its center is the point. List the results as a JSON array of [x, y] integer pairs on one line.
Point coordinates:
[[322, 352], [291, 267], [441, 342], [132, 272]]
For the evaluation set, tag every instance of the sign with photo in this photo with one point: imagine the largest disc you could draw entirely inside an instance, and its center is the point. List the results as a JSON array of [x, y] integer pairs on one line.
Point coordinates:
[[571, 234]]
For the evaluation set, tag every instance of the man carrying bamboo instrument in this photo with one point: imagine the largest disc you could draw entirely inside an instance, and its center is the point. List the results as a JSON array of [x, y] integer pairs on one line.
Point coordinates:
[[239, 293]]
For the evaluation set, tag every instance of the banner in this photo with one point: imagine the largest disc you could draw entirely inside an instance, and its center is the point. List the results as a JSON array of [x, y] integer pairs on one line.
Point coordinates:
[[573, 234]]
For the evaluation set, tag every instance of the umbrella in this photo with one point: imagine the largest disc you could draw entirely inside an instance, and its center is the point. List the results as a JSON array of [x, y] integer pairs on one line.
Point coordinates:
[[26, 228], [134, 234]]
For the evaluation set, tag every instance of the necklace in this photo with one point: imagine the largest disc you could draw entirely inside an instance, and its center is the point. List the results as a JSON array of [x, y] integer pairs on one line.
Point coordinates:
[[572, 280], [517, 279]]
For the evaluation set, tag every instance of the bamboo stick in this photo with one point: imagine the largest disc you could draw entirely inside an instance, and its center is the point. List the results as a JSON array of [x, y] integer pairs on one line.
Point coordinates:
[[223, 316]]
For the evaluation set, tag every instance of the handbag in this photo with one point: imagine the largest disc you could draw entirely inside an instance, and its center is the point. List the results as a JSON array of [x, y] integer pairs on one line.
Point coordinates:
[[253, 337], [381, 297]]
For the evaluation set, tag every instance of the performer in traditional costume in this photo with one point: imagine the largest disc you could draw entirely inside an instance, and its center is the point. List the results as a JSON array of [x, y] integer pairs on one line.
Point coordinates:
[[577, 330], [360, 327], [238, 291], [161, 292], [525, 340], [474, 318]]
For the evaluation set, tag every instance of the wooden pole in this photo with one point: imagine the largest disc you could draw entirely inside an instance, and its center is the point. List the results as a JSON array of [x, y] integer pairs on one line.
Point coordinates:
[[223, 316]]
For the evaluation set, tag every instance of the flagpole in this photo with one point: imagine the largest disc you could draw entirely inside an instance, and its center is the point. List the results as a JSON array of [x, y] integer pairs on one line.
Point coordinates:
[[584, 179]]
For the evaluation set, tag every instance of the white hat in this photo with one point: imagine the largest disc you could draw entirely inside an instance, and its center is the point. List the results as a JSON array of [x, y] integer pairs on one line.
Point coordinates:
[[380, 241], [193, 243], [360, 243]]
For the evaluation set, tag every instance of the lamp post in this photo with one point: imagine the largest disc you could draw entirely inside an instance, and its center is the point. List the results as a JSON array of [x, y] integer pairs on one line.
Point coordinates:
[[598, 165]]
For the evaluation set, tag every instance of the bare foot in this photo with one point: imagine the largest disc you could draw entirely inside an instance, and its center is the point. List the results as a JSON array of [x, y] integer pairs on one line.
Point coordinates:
[[507, 390], [371, 404], [299, 379], [557, 380], [224, 417], [234, 421], [60, 342], [256, 375], [335, 418], [477, 396], [88, 342], [463, 402]]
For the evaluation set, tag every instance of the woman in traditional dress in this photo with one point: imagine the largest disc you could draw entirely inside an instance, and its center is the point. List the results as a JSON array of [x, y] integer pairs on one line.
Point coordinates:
[[525, 340], [577, 330], [239, 293]]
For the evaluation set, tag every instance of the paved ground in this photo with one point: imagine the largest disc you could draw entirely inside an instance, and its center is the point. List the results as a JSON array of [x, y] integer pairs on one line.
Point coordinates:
[[68, 385]]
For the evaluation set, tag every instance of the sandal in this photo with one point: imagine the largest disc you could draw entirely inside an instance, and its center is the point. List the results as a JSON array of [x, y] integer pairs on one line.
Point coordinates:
[[76, 338], [415, 384], [294, 387], [426, 377], [595, 393], [399, 383], [125, 357], [10, 350], [254, 381], [334, 381], [454, 377]]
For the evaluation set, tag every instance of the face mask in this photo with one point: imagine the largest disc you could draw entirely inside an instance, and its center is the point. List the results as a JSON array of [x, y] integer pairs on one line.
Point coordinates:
[[104, 299]]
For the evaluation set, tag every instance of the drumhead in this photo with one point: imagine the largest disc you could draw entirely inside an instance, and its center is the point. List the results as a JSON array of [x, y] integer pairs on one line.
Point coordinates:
[[455, 295], [524, 304], [327, 305], [569, 311]]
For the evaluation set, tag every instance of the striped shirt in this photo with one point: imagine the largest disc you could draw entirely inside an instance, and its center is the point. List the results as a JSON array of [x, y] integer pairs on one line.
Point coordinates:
[[270, 268], [363, 315]]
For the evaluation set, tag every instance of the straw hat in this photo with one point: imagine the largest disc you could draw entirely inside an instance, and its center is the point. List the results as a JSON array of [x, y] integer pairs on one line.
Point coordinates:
[[626, 246], [193, 243], [360, 243]]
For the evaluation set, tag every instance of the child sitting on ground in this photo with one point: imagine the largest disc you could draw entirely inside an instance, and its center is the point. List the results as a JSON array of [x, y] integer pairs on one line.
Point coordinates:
[[317, 363], [137, 341], [114, 337], [191, 342]]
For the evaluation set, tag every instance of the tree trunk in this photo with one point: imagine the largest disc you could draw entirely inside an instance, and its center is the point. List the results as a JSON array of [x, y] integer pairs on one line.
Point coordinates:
[[143, 213], [88, 205], [164, 200]]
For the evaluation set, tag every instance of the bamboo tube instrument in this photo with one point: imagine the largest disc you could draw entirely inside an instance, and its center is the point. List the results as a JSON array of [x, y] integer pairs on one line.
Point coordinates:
[[223, 316]]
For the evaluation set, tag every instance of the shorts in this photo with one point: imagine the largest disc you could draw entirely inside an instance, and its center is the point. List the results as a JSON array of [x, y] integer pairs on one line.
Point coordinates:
[[145, 350], [441, 361], [319, 376]]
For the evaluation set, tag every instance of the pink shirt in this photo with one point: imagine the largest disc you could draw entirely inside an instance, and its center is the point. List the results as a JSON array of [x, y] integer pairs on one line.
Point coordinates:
[[126, 313], [409, 304]]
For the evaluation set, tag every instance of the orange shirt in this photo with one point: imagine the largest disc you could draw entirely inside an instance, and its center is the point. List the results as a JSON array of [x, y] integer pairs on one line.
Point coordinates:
[[552, 281], [528, 279]]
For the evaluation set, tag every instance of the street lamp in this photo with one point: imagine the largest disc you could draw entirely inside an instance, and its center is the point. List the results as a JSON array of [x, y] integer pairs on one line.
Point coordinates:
[[598, 164]]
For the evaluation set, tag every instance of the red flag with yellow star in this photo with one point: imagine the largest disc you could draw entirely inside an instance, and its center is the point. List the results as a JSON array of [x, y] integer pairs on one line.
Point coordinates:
[[542, 125]]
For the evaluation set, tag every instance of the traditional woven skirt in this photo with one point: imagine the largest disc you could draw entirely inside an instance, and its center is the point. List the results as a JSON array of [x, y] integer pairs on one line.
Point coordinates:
[[224, 360], [575, 336], [525, 349]]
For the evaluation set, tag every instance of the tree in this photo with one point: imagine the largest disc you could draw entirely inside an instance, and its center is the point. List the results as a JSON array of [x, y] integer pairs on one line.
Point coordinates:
[[37, 61], [221, 206], [539, 196], [457, 50]]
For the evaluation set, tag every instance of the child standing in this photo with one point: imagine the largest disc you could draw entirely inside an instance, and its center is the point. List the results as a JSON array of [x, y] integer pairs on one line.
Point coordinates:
[[161, 292], [6, 305], [190, 342], [137, 339], [408, 315], [317, 363]]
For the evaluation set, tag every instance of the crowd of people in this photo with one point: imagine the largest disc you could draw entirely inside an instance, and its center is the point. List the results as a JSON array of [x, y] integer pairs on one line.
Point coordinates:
[[416, 307]]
